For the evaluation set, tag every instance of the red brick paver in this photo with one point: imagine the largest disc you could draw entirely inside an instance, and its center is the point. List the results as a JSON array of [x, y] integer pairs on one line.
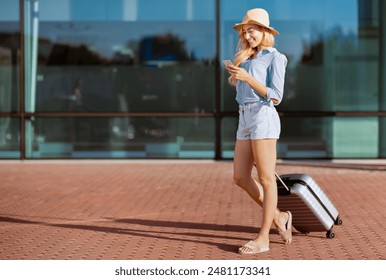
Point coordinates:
[[171, 210]]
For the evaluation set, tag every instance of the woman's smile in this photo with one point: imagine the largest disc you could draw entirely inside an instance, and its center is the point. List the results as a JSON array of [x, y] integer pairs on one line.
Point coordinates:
[[252, 35], [252, 43]]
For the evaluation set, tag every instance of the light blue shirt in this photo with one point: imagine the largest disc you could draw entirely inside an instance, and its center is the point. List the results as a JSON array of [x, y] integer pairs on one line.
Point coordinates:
[[268, 68]]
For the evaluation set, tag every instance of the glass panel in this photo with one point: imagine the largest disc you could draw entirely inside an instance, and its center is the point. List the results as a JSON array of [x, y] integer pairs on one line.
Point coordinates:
[[109, 56], [318, 137], [332, 53], [305, 138], [355, 137], [300, 137], [228, 132], [382, 139], [329, 137], [9, 138], [178, 88], [121, 138], [9, 56]]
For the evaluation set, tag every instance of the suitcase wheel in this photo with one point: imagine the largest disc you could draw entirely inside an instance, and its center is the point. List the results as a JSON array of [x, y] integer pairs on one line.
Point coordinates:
[[338, 221], [330, 234]]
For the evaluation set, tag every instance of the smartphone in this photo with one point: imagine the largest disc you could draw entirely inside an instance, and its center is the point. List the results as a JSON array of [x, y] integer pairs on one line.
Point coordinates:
[[227, 62]]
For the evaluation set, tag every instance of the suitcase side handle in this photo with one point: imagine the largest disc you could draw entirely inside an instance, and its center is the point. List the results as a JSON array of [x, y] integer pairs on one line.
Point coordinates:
[[281, 181]]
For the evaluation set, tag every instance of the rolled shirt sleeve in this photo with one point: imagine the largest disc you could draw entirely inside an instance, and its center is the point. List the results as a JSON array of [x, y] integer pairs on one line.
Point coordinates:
[[275, 78]]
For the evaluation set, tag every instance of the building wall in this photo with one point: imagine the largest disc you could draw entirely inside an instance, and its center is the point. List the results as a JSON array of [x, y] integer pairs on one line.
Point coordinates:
[[143, 79]]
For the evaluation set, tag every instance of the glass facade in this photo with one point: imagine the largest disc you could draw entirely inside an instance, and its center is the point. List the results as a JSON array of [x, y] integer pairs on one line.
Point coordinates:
[[143, 79], [10, 47]]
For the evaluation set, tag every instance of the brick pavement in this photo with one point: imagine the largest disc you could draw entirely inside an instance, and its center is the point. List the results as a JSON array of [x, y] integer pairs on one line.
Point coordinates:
[[174, 210]]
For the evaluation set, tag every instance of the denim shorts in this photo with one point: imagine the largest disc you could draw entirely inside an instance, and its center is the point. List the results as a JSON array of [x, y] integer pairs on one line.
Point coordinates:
[[258, 121]]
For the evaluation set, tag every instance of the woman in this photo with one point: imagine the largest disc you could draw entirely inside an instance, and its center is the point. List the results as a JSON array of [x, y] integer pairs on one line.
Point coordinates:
[[258, 75]]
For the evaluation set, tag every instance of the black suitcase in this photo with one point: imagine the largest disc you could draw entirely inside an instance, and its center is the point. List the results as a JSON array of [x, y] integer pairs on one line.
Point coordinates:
[[312, 210]]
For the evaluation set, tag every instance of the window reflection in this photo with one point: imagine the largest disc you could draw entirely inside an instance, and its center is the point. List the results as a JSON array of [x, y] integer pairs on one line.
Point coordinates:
[[153, 74], [333, 53], [7, 75], [142, 56], [9, 79], [332, 48], [146, 137], [9, 57], [130, 61], [9, 138]]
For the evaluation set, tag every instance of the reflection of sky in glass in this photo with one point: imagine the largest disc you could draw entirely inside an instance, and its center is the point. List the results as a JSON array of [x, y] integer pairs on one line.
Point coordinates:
[[9, 10], [127, 10], [333, 12], [108, 25], [299, 21]]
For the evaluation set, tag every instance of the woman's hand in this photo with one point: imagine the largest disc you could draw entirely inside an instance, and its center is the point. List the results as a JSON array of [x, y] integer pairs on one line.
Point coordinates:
[[238, 73]]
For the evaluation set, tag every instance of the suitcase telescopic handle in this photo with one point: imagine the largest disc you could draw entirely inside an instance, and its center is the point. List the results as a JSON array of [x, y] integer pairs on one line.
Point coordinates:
[[281, 181]]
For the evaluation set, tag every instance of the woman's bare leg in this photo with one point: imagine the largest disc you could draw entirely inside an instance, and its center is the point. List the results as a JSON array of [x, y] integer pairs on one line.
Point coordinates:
[[242, 172], [264, 155]]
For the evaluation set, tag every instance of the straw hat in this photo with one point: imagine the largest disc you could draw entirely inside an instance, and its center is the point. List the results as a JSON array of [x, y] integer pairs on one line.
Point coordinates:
[[256, 16]]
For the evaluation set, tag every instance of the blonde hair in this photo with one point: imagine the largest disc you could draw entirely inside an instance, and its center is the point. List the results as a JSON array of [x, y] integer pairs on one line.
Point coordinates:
[[244, 50]]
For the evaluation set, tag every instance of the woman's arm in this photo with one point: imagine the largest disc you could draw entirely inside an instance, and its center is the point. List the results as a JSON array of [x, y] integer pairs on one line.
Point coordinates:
[[242, 75], [276, 78], [275, 87]]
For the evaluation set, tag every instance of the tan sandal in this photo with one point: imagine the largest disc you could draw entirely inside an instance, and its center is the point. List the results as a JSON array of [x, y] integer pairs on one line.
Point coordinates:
[[286, 234], [252, 248]]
